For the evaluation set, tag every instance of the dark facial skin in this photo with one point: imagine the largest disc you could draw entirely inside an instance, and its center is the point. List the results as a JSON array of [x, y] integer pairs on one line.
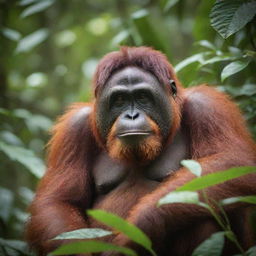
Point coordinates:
[[131, 95]]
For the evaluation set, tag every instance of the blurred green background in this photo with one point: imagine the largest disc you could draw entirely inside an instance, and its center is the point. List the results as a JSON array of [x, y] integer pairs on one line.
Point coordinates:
[[49, 50]]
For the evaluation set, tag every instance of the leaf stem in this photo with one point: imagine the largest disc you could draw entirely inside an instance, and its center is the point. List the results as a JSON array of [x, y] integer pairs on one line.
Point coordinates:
[[224, 224], [212, 211]]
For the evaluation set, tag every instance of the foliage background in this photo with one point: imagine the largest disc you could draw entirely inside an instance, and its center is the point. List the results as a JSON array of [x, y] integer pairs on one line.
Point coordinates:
[[49, 50]]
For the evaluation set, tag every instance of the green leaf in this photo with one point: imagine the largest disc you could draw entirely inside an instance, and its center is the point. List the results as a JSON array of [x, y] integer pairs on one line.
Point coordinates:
[[6, 200], [130, 230], [25, 157], [250, 53], [230, 235], [245, 199], [11, 34], [84, 233], [150, 37], [236, 51], [32, 40], [169, 4], [10, 138], [212, 246], [217, 59], [227, 17], [37, 122], [27, 2], [34, 122], [194, 58], [248, 90], [216, 178], [120, 38], [206, 44], [91, 247], [26, 195], [14, 246], [180, 197], [233, 67], [193, 166], [4, 111], [251, 251], [37, 79], [37, 7]]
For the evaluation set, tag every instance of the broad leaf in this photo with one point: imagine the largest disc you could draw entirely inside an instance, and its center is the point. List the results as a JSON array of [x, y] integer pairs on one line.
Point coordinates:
[[91, 247], [212, 246], [27, 2], [216, 178], [194, 58], [190, 197], [248, 90], [84, 233], [119, 224], [227, 17], [4, 111], [32, 40], [233, 67], [10, 138], [193, 166], [37, 7], [217, 59], [251, 251], [11, 34], [206, 44], [120, 38], [25, 157], [26, 195], [150, 37], [6, 200], [169, 4], [34, 122], [13, 246], [245, 199]]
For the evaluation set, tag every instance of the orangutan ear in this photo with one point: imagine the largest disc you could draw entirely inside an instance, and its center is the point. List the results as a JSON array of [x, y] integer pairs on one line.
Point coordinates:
[[173, 87]]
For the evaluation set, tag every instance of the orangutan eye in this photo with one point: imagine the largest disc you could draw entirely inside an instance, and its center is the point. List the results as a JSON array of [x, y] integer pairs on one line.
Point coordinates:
[[118, 100], [143, 97]]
